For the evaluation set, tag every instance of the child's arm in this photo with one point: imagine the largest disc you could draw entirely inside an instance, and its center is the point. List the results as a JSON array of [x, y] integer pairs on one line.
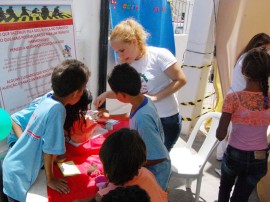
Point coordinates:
[[57, 184], [102, 97], [223, 125], [17, 129]]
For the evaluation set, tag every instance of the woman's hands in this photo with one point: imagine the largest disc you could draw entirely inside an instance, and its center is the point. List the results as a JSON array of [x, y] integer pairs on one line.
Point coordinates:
[[152, 97]]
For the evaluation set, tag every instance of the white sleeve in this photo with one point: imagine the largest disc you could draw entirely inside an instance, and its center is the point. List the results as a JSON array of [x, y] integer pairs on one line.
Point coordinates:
[[165, 58]]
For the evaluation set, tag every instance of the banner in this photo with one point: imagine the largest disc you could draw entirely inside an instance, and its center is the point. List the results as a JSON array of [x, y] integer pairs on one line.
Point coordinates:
[[35, 36], [154, 15]]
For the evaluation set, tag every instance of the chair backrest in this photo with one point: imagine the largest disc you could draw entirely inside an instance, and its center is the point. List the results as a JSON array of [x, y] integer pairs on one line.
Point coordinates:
[[210, 141]]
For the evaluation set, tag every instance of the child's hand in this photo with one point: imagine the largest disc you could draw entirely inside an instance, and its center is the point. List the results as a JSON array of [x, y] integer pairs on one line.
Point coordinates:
[[60, 158], [103, 113], [100, 100], [59, 185], [93, 170]]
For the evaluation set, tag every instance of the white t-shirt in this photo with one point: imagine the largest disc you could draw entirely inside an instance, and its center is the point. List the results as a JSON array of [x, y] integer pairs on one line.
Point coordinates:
[[238, 79], [151, 68]]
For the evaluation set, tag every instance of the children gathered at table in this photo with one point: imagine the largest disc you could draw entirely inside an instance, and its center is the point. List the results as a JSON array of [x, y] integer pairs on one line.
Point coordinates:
[[143, 118], [43, 137], [123, 155], [136, 159], [75, 118]]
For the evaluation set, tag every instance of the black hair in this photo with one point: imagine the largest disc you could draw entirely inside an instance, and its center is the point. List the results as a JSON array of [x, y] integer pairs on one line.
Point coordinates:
[[256, 67], [125, 79], [126, 194], [69, 76], [122, 154], [78, 110]]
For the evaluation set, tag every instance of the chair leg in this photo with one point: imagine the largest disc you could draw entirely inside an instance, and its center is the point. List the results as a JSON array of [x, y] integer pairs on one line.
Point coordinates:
[[188, 183], [198, 188]]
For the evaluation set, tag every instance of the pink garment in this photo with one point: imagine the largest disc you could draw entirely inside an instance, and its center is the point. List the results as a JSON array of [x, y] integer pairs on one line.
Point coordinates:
[[146, 180], [249, 120]]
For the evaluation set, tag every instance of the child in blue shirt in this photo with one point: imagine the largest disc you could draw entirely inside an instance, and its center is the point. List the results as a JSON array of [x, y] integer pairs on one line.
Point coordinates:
[[21, 118], [74, 113], [125, 82], [43, 137]]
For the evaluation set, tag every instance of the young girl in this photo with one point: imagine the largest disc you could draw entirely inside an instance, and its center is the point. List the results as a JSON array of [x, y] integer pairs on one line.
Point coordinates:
[[245, 159], [259, 41], [78, 125], [123, 154], [161, 75]]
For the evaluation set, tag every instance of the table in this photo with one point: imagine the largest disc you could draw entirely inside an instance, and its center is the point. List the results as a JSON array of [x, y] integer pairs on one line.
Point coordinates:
[[81, 186]]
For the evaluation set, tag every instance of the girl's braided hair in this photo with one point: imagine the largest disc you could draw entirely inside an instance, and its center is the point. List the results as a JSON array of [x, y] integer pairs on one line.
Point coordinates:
[[256, 67]]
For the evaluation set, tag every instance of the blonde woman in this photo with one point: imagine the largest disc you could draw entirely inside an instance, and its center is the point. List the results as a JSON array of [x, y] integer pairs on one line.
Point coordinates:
[[161, 75]]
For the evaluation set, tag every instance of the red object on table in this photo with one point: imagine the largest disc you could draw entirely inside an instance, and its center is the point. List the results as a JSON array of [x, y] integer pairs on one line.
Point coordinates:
[[82, 185]]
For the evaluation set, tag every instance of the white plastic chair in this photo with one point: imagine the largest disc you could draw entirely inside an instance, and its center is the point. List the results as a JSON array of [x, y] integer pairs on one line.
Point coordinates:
[[189, 163]]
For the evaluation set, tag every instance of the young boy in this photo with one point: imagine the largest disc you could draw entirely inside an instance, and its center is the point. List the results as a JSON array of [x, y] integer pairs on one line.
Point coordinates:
[[125, 82], [44, 135], [75, 115]]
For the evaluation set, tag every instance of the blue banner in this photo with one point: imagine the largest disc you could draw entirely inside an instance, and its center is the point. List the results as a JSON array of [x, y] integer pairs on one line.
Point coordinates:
[[154, 15]]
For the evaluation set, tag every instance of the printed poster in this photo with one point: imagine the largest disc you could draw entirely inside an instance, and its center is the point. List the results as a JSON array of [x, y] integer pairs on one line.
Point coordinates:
[[35, 36], [154, 15]]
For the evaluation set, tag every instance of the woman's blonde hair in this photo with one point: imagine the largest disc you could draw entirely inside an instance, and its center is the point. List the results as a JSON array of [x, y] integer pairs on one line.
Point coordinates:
[[129, 29]]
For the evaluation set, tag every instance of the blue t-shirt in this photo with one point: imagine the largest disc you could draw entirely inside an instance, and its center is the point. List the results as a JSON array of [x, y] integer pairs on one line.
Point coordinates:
[[147, 122], [23, 116], [44, 133]]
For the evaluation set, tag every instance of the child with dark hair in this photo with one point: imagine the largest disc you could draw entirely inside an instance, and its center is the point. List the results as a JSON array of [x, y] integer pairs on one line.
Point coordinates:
[[245, 160], [75, 112], [125, 82], [258, 41], [123, 154], [78, 125], [127, 194], [43, 137]]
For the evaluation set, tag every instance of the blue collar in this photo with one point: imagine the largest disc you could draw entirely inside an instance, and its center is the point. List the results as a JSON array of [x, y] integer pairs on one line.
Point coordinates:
[[145, 101]]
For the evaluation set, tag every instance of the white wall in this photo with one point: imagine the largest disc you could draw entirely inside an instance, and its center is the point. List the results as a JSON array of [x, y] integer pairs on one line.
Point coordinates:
[[113, 105], [87, 22]]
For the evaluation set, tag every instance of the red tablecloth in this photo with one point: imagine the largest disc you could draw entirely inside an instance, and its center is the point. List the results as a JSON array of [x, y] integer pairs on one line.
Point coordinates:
[[82, 186]]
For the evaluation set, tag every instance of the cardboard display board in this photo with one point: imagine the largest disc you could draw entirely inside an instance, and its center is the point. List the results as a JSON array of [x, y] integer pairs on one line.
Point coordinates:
[[35, 36]]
